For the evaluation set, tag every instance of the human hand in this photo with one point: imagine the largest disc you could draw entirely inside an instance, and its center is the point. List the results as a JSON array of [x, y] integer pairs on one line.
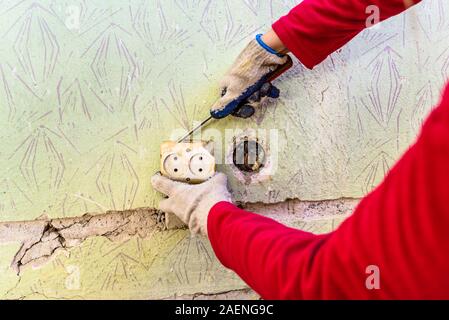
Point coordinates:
[[249, 69], [192, 202]]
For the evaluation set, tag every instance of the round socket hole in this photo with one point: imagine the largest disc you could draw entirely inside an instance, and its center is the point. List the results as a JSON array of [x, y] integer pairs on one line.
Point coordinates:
[[173, 165], [248, 155], [201, 165]]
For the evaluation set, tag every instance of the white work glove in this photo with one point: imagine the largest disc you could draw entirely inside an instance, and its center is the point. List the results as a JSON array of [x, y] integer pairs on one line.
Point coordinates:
[[192, 202], [251, 65]]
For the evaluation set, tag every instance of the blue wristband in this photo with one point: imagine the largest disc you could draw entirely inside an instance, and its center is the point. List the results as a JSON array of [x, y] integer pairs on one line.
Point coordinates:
[[267, 47]]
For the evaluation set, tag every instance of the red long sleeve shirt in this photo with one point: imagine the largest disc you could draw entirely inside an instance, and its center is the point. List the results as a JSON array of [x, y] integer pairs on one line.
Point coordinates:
[[400, 231]]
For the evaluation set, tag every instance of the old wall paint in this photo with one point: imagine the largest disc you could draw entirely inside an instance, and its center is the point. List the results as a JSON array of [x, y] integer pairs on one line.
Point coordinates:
[[90, 89]]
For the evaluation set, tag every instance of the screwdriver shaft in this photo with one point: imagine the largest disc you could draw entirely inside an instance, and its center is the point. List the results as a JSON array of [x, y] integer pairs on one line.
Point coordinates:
[[194, 129]]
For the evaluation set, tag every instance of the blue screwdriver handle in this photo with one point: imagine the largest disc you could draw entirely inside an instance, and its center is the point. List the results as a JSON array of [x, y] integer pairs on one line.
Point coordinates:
[[235, 104]]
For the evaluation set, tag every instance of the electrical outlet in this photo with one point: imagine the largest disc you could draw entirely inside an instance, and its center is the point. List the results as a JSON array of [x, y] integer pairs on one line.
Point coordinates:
[[191, 162]]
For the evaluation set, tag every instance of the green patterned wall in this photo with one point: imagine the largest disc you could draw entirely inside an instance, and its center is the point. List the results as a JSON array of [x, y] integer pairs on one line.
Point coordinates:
[[89, 89]]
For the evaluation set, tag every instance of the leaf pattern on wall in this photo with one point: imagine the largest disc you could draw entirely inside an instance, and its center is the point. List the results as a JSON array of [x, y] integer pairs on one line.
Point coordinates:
[[89, 90]]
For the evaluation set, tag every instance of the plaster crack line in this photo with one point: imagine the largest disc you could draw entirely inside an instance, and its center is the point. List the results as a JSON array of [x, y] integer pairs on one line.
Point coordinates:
[[41, 239]]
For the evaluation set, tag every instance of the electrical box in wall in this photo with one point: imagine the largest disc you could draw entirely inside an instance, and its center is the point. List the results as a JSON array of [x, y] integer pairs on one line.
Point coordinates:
[[191, 162]]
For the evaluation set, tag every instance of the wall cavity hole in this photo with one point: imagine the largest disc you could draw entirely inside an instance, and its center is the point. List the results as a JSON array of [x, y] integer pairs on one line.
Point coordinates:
[[248, 155]]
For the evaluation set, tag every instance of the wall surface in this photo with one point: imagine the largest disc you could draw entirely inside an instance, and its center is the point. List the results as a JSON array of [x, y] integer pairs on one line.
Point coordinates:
[[89, 90]]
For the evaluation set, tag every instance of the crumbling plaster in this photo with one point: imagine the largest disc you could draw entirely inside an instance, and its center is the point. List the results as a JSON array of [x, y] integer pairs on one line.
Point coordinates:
[[89, 90], [133, 254], [42, 238]]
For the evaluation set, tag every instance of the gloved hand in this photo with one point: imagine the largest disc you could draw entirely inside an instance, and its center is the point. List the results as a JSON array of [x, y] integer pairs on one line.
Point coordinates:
[[251, 65], [192, 202]]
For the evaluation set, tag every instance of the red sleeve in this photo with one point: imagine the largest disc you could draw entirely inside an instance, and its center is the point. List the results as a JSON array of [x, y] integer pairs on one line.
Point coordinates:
[[401, 228], [316, 28]]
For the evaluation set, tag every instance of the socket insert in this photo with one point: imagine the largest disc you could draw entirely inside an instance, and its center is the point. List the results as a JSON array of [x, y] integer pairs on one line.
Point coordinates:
[[191, 162]]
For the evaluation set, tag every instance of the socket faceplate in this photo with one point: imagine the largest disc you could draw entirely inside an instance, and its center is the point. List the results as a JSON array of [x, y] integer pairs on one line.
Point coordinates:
[[190, 162]]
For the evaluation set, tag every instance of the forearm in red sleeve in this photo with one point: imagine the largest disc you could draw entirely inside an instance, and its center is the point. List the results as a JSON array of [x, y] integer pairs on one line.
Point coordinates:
[[261, 251], [401, 229], [316, 28]]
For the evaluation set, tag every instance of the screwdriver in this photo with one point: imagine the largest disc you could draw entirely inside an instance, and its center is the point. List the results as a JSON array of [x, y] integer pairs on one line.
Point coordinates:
[[237, 107]]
